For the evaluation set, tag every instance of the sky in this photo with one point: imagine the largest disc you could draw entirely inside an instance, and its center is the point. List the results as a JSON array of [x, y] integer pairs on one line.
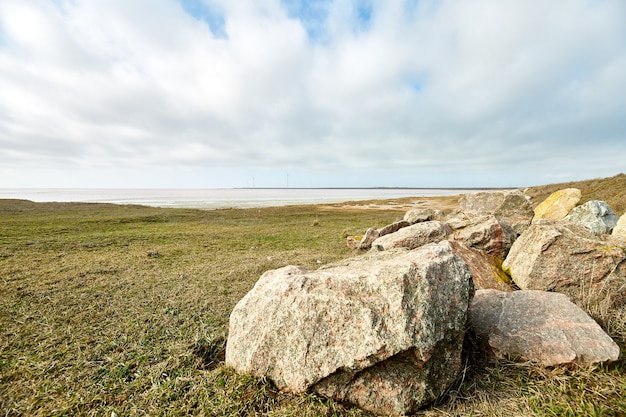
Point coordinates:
[[320, 93]]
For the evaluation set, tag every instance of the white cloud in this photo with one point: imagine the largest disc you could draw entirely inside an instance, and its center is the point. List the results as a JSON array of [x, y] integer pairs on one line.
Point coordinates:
[[492, 91]]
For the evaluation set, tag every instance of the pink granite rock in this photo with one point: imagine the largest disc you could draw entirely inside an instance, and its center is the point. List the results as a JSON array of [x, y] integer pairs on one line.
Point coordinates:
[[541, 327], [383, 331], [570, 259], [488, 234]]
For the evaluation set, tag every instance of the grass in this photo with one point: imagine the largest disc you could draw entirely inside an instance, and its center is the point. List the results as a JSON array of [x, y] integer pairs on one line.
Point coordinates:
[[611, 190], [124, 309]]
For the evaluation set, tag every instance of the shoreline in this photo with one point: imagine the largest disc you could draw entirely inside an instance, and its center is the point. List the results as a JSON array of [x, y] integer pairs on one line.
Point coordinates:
[[228, 198]]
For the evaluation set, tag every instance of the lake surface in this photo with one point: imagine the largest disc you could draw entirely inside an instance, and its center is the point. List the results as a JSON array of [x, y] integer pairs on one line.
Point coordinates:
[[221, 198]]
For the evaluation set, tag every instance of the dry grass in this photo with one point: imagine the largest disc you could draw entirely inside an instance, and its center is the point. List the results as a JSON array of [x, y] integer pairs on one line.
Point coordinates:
[[125, 308], [611, 190]]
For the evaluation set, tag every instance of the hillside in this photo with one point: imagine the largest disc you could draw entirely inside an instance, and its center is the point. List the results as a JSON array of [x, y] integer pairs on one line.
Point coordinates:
[[612, 190]]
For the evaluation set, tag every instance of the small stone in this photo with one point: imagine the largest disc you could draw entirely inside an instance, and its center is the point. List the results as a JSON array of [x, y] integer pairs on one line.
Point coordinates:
[[352, 243]]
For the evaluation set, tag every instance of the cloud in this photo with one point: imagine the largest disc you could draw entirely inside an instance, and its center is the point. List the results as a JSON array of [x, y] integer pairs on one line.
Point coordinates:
[[499, 92]]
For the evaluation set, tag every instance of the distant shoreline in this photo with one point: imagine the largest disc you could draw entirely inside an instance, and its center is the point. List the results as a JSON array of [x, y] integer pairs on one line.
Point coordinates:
[[225, 197], [365, 188]]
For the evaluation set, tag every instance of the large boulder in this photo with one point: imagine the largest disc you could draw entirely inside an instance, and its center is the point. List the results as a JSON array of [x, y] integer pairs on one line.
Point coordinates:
[[413, 236], [569, 258], [512, 206], [557, 205], [540, 327], [488, 234], [619, 231], [595, 215], [383, 331]]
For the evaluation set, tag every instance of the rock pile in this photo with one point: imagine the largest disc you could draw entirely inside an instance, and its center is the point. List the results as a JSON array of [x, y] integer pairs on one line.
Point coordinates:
[[384, 330]]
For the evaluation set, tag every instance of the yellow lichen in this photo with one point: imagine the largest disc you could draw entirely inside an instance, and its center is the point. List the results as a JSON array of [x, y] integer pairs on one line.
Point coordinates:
[[558, 204], [500, 273]]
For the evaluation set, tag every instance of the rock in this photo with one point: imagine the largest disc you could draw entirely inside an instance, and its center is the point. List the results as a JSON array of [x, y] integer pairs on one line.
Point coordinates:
[[595, 215], [568, 258], [366, 242], [413, 236], [557, 205], [392, 228], [541, 327], [458, 221], [419, 215], [511, 206], [488, 234], [486, 269], [619, 231], [373, 234], [383, 331]]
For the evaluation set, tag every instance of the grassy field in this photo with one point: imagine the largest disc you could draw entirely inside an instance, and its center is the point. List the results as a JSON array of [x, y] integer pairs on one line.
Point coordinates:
[[124, 309]]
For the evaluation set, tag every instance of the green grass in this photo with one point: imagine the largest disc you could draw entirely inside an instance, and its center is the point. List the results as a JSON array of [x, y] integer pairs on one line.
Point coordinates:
[[125, 308]]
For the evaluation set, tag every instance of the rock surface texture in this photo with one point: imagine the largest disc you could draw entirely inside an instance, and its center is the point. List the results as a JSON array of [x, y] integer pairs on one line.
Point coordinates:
[[511, 206], [393, 227], [557, 205], [488, 234], [619, 231], [372, 234], [420, 215], [570, 259], [541, 327], [486, 269], [383, 331], [595, 215], [413, 236]]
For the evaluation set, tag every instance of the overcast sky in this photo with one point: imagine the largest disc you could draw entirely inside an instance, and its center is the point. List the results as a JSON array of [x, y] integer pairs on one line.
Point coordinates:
[[270, 93]]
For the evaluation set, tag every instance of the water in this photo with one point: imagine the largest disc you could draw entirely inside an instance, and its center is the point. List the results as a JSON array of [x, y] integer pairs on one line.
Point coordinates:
[[220, 198]]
